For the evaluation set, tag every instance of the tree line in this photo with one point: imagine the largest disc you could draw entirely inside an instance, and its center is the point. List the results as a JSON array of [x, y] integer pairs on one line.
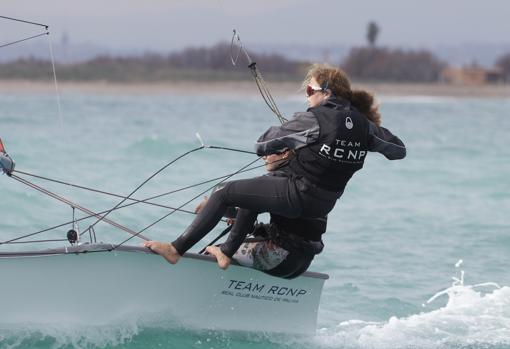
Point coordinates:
[[200, 64], [363, 63]]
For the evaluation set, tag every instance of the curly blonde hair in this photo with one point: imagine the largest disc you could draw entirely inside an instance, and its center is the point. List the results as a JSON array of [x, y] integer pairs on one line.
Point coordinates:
[[335, 80]]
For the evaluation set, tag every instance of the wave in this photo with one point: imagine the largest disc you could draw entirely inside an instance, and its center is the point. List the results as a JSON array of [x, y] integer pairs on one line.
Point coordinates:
[[473, 317], [67, 336]]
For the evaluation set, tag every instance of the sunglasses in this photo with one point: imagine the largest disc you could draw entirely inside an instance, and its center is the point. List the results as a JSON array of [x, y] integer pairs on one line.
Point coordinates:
[[310, 90]]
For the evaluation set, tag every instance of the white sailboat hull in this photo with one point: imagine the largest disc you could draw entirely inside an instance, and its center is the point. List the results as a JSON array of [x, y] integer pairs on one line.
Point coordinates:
[[99, 287]]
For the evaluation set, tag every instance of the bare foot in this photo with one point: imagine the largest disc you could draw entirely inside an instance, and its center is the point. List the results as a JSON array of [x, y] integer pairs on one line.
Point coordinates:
[[164, 249], [222, 259]]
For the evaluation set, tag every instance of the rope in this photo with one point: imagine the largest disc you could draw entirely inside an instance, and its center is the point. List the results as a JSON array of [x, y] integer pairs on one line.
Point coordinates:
[[135, 201], [57, 93], [24, 21], [222, 234], [102, 215], [25, 39], [187, 202], [231, 149], [52, 57], [37, 241], [265, 93], [257, 75], [72, 204], [27, 22], [143, 183]]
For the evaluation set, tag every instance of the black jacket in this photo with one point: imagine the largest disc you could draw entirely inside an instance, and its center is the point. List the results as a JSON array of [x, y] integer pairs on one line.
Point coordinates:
[[331, 142]]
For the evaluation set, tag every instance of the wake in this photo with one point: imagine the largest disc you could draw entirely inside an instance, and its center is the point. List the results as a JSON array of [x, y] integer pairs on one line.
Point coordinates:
[[475, 316]]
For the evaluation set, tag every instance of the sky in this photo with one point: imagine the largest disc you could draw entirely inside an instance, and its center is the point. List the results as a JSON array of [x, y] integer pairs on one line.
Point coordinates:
[[167, 25]]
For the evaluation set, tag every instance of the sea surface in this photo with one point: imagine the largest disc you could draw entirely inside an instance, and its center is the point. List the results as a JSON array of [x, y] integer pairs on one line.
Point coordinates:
[[394, 239]]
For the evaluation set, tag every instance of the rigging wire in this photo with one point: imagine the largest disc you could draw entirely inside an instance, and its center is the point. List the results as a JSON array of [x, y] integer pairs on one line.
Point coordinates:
[[143, 183], [57, 92], [24, 21], [220, 235], [25, 39], [236, 48], [137, 201], [187, 202], [114, 247], [102, 215], [146, 201], [72, 204], [122, 206], [35, 241], [46, 27], [263, 89], [52, 58]]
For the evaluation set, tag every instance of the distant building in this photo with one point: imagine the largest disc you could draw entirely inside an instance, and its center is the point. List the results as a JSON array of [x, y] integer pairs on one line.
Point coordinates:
[[472, 75]]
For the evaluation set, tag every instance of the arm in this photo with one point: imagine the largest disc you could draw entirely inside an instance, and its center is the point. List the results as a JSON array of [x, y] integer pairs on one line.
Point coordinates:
[[383, 141], [298, 132]]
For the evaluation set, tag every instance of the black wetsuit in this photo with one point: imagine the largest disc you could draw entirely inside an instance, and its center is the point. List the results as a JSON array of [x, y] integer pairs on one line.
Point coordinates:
[[330, 142], [300, 239]]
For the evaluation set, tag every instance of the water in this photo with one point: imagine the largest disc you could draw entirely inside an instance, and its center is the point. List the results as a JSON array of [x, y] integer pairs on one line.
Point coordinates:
[[392, 241]]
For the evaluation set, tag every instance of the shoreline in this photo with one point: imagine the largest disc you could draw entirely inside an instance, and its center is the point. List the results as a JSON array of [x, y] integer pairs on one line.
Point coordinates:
[[245, 88]]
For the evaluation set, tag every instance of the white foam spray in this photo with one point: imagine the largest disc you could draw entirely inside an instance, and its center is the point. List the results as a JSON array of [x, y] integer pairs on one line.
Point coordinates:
[[475, 316]]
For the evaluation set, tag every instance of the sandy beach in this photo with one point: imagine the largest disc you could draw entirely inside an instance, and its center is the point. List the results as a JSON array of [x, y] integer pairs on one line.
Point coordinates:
[[248, 88]]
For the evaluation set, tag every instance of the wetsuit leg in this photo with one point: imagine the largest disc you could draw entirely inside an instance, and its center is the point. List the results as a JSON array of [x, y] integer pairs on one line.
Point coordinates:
[[244, 220], [260, 194]]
